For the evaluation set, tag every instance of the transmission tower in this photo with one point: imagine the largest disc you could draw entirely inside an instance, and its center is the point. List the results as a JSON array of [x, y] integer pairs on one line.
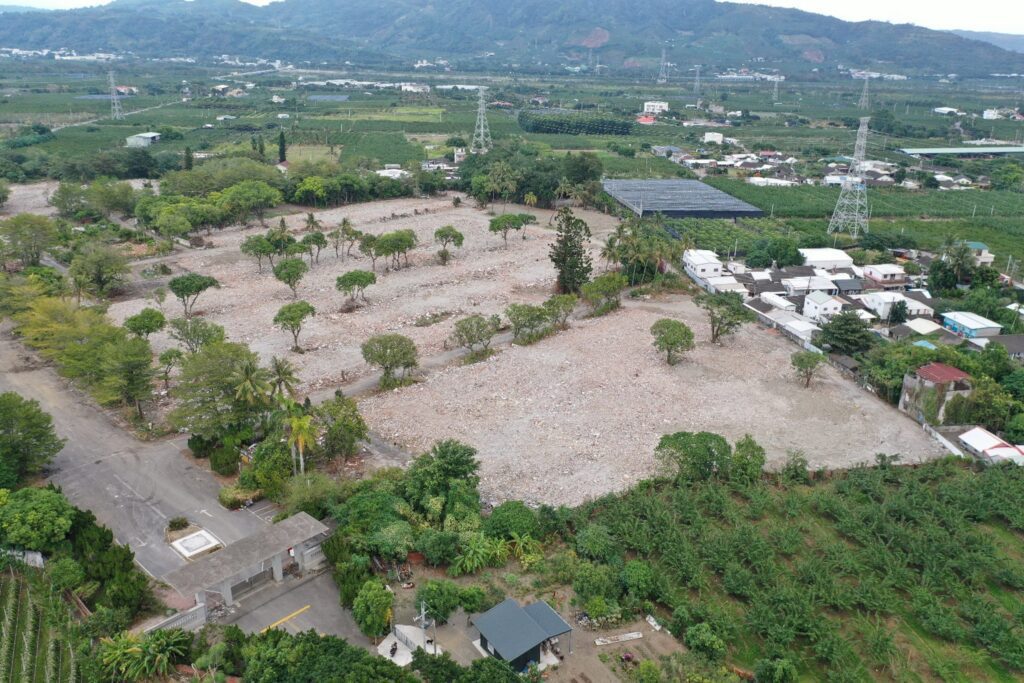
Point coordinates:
[[851, 214], [482, 134], [865, 100], [663, 71], [116, 112], [775, 92], [696, 82]]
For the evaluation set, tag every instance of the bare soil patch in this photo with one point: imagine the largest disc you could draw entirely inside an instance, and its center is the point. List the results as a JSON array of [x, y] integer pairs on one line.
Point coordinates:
[[579, 414]]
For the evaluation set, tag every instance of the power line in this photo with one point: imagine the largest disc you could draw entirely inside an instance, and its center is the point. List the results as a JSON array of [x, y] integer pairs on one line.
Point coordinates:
[[865, 100]]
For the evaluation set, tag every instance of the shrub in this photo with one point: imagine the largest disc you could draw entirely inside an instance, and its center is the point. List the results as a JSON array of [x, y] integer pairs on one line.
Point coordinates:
[[233, 497], [438, 547], [596, 542], [775, 671], [177, 523], [474, 599], [638, 578], [603, 292], [200, 447], [701, 639], [441, 597], [600, 609], [595, 579], [511, 517], [224, 460]]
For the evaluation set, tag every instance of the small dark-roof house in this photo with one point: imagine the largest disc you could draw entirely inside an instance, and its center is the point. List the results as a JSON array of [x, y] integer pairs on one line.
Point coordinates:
[[515, 634]]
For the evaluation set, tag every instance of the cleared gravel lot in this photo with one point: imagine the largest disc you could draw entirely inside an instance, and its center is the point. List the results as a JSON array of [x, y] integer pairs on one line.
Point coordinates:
[[579, 414]]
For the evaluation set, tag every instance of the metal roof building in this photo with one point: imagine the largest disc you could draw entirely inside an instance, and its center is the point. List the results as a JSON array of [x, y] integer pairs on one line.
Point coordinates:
[[515, 634], [678, 199], [962, 151]]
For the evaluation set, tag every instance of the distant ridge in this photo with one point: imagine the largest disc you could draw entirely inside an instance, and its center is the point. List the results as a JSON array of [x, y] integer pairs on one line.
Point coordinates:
[[524, 35], [1007, 41]]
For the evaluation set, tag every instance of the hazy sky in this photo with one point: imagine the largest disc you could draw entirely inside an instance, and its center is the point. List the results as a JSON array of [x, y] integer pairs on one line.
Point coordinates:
[[1003, 16]]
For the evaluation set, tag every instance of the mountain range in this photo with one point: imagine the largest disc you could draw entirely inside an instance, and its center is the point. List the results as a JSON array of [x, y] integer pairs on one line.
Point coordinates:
[[625, 35], [1007, 41]]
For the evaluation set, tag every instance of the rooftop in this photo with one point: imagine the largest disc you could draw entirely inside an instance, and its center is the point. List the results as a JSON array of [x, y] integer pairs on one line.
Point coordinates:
[[825, 254], [962, 151], [970, 320], [678, 198], [819, 297], [513, 630], [940, 373], [701, 257]]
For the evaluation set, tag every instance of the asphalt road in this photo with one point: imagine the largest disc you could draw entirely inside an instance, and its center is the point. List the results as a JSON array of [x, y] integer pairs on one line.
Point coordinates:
[[131, 486]]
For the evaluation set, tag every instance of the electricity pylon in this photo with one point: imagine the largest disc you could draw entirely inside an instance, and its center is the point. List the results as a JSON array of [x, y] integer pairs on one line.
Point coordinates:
[[865, 100], [482, 142], [696, 82], [851, 213], [116, 112], [663, 71]]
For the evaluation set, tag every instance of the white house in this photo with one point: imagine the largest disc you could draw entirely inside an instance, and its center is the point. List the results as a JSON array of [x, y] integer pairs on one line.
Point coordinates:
[[142, 139], [713, 138], [701, 263], [819, 306], [725, 283], [828, 258], [970, 325], [796, 286], [284, 116], [986, 446], [886, 275], [779, 302], [923, 326], [882, 302], [655, 107], [982, 256]]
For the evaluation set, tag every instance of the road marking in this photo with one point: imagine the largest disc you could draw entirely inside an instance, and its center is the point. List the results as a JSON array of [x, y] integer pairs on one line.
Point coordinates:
[[204, 512], [287, 618]]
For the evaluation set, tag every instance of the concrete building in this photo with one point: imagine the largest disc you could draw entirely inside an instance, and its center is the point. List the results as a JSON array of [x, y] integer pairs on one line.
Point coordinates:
[[701, 263], [885, 276], [655, 107], [711, 138], [882, 302], [970, 325], [142, 139], [989, 448], [927, 391], [982, 256], [819, 306], [827, 258]]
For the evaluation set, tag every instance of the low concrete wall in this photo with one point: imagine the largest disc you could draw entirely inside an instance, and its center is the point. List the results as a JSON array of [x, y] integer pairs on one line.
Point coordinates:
[[190, 620]]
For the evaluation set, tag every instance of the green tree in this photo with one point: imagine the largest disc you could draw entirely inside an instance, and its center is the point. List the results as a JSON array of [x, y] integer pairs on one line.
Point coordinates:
[[28, 236], [145, 322], [69, 199], [249, 197], [35, 519], [283, 378], [368, 248], [604, 292], [5, 191], [502, 180], [28, 440], [206, 392], [897, 313], [258, 247], [441, 598], [505, 223], [846, 333], [314, 242], [372, 608], [726, 313], [527, 321], [290, 271], [167, 361], [291, 318], [251, 382], [98, 269], [1015, 429], [569, 252], [301, 433], [476, 331], [390, 352], [559, 308], [195, 333], [447, 236], [341, 426], [282, 148], [806, 364], [354, 283], [189, 161], [672, 337], [701, 638], [748, 459], [127, 373], [696, 456], [189, 287]]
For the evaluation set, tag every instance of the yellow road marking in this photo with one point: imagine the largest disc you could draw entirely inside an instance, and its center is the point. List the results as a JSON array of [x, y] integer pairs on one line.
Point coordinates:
[[287, 618]]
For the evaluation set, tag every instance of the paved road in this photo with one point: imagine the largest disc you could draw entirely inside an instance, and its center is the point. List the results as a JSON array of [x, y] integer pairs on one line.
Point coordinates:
[[133, 487]]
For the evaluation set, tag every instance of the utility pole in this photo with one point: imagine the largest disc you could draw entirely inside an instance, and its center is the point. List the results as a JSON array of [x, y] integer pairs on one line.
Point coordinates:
[[663, 71], [775, 93], [482, 142], [851, 213], [116, 112]]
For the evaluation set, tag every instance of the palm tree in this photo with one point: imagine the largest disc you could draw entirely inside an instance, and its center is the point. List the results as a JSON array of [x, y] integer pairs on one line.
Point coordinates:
[[610, 251], [252, 383], [530, 199], [580, 195], [959, 257], [121, 656], [300, 433], [282, 377], [311, 222]]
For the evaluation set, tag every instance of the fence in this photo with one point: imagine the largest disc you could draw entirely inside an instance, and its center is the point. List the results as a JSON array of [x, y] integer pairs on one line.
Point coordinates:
[[314, 557], [190, 620]]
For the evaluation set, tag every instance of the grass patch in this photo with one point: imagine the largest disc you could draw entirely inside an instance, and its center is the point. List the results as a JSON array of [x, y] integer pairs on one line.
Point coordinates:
[[429, 319]]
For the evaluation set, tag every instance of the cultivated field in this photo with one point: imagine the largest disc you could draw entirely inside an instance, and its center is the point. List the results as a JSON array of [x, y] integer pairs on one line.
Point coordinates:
[[579, 414]]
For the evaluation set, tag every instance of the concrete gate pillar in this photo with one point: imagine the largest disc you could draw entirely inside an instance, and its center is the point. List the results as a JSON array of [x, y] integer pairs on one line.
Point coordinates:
[[225, 591], [300, 559], [276, 566]]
